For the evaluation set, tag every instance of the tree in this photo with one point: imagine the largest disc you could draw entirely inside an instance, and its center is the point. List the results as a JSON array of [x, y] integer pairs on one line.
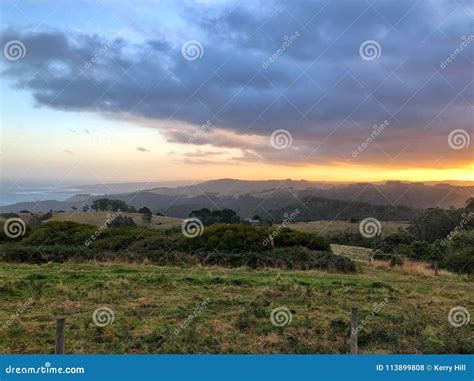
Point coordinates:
[[85, 208], [460, 252], [103, 204], [73, 208], [226, 216], [144, 210], [147, 217], [120, 221]]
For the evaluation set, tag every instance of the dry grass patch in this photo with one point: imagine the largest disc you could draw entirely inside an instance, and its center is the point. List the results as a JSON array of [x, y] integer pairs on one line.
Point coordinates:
[[335, 226], [410, 267], [99, 218]]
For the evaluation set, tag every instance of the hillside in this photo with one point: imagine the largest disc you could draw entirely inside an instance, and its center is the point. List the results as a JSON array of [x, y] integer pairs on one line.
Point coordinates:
[[246, 196]]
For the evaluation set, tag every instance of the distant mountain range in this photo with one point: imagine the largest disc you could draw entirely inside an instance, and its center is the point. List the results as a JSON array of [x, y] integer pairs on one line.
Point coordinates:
[[252, 197]]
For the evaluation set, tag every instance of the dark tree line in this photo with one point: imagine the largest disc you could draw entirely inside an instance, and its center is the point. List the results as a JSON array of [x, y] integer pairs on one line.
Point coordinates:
[[207, 217]]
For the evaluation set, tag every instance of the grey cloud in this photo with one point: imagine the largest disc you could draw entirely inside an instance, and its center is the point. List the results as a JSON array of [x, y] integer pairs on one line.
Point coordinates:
[[317, 89], [200, 153]]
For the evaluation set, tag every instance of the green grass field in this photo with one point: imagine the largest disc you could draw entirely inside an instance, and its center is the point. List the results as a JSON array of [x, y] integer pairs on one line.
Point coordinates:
[[150, 305]]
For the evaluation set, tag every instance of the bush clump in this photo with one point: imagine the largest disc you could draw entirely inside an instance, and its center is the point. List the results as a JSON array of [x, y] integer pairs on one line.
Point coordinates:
[[236, 238], [59, 233]]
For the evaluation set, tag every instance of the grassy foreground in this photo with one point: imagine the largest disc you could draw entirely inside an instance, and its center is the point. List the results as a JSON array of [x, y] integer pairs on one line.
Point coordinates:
[[230, 308]]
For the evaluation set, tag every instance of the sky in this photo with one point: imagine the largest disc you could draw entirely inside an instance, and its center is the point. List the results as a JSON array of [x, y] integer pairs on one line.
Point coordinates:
[[153, 90]]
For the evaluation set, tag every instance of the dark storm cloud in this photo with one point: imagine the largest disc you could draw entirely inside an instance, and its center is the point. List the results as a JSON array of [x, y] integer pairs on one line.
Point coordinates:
[[319, 88]]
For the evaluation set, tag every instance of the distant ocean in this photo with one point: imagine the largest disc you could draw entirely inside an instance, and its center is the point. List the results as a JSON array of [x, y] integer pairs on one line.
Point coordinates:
[[11, 195]]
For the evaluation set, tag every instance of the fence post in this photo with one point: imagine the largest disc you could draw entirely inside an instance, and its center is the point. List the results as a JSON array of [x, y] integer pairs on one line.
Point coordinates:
[[436, 268], [354, 312], [59, 348]]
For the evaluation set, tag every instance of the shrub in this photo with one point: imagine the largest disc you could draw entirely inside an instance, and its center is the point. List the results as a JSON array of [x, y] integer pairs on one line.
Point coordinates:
[[40, 254], [352, 238], [119, 221], [59, 233], [293, 258], [156, 243], [229, 238], [244, 238], [119, 238], [288, 238]]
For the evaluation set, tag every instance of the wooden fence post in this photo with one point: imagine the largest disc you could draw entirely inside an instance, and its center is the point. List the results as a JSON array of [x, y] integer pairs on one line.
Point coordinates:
[[59, 348], [436, 268], [354, 331]]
